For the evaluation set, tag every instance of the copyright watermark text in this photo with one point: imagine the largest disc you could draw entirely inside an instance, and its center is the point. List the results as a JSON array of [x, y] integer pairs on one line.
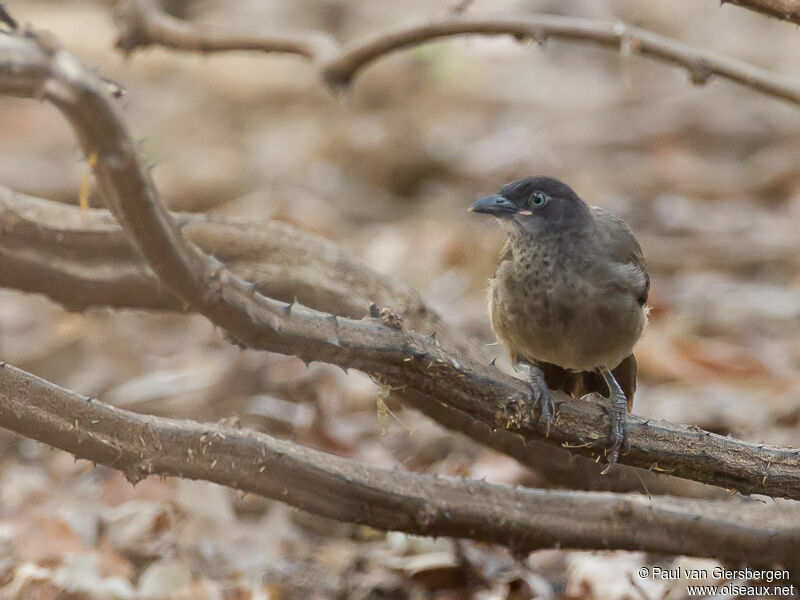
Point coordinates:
[[737, 581]]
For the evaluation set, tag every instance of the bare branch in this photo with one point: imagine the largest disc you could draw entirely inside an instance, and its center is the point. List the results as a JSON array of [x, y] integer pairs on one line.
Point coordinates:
[[6, 18], [786, 10], [425, 370], [83, 259], [701, 64], [142, 23], [338, 488]]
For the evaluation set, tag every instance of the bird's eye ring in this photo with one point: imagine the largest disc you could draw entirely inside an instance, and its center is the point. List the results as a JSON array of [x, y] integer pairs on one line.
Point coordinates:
[[538, 199]]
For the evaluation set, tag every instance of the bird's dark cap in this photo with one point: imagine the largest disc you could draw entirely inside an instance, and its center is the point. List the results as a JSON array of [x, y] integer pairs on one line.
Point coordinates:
[[541, 198], [549, 185]]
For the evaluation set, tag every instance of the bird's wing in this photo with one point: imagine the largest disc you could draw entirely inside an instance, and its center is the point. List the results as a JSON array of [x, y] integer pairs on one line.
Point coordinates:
[[623, 245]]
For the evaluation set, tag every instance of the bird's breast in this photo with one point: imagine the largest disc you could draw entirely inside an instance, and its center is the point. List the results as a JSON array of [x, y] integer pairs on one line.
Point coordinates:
[[560, 309]]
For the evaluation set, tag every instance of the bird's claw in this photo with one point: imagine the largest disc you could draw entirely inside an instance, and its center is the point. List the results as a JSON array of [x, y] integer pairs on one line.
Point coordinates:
[[618, 440], [618, 434], [521, 413], [617, 417], [539, 398], [542, 399]]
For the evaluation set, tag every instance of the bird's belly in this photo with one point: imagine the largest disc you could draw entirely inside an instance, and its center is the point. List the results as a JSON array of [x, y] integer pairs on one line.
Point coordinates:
[[578, 330]]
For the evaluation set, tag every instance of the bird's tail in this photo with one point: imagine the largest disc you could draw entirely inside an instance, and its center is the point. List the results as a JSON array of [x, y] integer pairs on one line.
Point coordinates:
[[586, 382]]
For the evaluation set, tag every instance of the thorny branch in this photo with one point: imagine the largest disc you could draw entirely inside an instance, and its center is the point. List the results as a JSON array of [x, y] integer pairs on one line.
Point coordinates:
[[33, 66], [142, 23], [83, 259], [339, 488]]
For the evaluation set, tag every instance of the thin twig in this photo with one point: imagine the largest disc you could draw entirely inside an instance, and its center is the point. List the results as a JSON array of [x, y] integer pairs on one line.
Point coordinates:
[[142, 23], [345, 490], [6, 18], [701, 64], [785, 10]]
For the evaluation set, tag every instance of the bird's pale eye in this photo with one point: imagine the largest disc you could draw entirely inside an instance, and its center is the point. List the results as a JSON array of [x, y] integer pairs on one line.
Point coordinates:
[[538, 199]]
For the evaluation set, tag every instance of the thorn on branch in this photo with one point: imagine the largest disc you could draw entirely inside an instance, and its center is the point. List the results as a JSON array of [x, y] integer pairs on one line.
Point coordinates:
[[6, 18], [426, 514], [115, 89], [391, 319], [700, 74], [459, 7], [135, 474], [128, 18]]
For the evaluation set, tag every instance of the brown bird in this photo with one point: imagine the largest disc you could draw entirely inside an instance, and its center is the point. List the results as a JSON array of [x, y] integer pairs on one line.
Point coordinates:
[[568, 298]]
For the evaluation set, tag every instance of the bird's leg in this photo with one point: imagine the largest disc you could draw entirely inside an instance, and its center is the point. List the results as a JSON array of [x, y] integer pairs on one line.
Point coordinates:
[[617, 414], [540, 394]]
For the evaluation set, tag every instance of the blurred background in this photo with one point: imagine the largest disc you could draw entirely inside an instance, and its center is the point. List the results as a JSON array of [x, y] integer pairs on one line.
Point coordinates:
[[707, 176]]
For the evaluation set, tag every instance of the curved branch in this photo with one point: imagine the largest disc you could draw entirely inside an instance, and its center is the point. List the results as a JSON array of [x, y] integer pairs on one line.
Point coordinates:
[[83, 259], [785, 10], [701, 64], [425, 370], [339, 488], [142, 23]]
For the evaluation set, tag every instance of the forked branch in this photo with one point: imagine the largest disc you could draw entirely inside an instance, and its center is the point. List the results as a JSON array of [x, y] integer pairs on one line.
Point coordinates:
[[82, 259], [425, 370], [142, 23]]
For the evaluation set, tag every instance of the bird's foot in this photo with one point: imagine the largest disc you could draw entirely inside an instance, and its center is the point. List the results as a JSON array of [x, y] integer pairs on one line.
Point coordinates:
[[617, 438], [617, 415], [542, 399], [618, 442], [539, 400]]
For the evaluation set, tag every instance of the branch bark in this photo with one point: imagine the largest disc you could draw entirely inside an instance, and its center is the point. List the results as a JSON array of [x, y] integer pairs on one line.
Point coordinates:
[[785, 10], [83, 259], [700, 64], [142, 23], [342, 489], [32, 65]]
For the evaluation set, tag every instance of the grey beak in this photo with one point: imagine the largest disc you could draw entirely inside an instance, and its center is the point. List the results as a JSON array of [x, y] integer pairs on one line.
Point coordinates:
[[495, 204]]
